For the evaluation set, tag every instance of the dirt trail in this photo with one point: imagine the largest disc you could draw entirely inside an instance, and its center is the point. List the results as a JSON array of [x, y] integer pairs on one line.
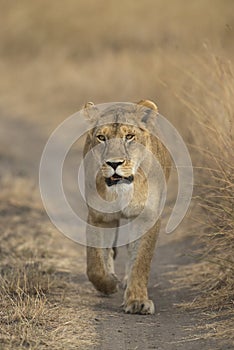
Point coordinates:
[[170, 328]]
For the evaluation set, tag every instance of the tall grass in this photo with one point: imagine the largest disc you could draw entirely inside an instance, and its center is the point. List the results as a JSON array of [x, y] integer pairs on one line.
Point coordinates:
[[212, 104]]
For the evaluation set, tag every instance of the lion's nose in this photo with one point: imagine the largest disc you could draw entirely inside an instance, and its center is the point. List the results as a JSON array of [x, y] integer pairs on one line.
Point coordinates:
[[114, 165]]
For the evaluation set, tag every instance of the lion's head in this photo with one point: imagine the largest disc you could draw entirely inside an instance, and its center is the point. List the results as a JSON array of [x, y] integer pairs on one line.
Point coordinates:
[[118, 138]]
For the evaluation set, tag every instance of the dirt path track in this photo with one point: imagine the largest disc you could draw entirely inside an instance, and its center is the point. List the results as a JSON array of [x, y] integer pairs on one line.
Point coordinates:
[[169, 329]]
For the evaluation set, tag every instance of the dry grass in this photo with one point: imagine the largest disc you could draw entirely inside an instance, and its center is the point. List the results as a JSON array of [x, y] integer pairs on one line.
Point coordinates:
[[63, 56], [214, 114], [212, 277], [34, 295]]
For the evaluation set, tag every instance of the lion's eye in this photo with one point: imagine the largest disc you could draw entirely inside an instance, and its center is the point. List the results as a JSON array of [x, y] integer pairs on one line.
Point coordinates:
[[101, 138], [129, 137]]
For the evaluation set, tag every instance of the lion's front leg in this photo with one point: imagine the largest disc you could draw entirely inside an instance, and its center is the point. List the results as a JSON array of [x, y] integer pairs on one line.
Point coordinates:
[[136, 299], [103, 278], [100, 263]]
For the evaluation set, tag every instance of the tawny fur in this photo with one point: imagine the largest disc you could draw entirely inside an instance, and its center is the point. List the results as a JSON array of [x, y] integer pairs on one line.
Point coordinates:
[[100, 265]]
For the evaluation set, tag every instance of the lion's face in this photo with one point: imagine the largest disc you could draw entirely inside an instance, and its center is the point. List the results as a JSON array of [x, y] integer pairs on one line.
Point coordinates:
[[119, 141], [121, 157], [119, 151]]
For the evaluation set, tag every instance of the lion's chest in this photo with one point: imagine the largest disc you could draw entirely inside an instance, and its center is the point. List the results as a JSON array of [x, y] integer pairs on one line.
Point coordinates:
[[128, 200]]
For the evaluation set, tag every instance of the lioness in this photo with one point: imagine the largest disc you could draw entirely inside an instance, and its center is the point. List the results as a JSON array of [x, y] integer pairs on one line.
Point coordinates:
[[114, 139]]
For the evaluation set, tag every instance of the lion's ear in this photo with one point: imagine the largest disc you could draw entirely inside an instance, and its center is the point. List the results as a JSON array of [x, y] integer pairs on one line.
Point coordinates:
[[148, 111], [90, 111], [88, 105], [148, 104]]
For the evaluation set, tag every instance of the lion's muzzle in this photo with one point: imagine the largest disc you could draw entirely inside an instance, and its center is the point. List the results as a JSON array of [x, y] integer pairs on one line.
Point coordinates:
[[114, 173]]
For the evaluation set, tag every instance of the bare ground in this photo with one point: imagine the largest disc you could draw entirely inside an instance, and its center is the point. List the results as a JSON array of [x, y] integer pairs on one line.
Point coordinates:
[[77, 316]]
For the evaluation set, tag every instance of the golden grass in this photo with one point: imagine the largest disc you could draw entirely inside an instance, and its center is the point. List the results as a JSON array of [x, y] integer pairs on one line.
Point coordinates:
[[35, 296], [214, 113], [211, 277], [55, 57]]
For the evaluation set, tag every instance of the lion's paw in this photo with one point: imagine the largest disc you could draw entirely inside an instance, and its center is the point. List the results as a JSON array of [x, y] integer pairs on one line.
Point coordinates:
[[142, 307], [107, 284]]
